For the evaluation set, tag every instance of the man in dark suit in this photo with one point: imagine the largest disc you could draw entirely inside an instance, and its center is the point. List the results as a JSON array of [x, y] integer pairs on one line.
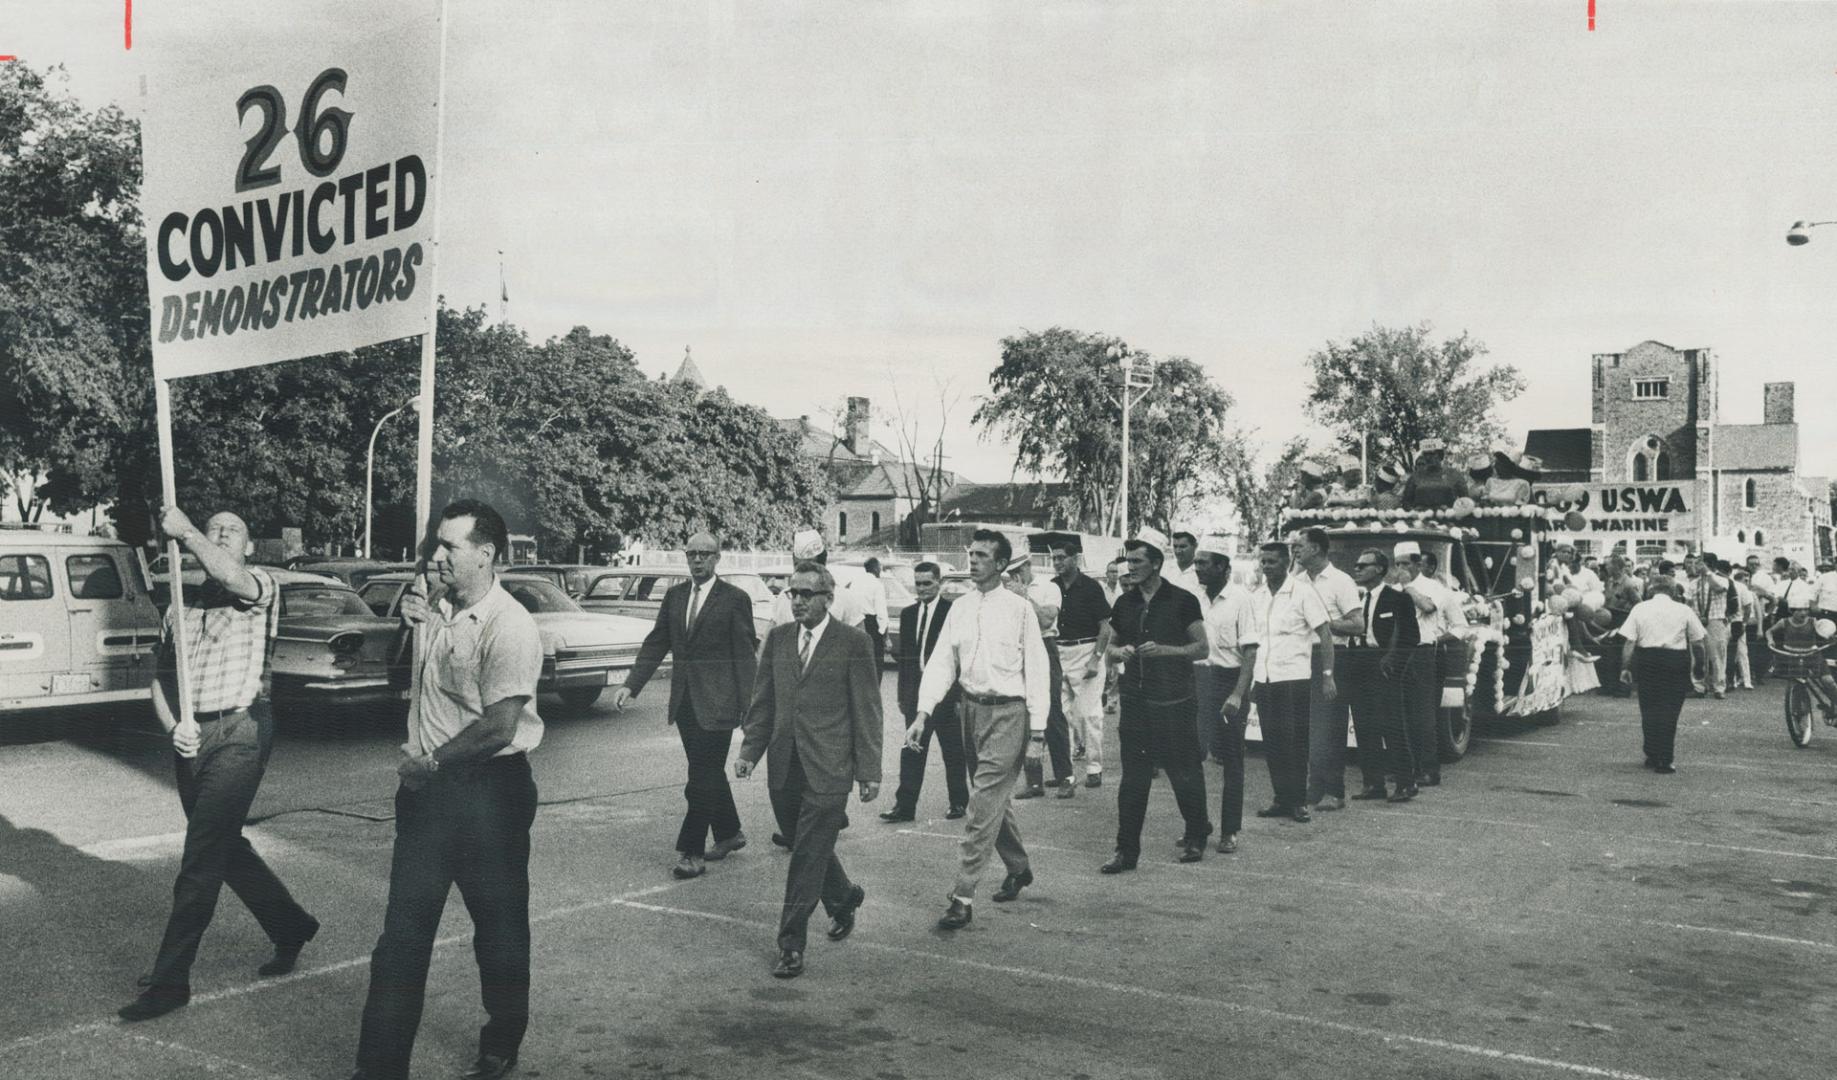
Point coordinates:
[[919, 626], [816, 707], [1379, 679], [707, 624]]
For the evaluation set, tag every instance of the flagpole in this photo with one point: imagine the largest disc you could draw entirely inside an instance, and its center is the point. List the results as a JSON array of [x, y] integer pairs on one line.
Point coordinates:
[[424, 435], [175, 570]]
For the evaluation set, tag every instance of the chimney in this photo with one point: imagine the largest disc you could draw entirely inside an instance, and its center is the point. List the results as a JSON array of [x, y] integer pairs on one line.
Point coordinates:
[[857, 434], [1776, 405]]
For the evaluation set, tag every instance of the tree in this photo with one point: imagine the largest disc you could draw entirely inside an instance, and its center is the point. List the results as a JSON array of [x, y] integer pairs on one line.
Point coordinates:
[[74, 359], [1400, 388], [1055, 396], [922, 476], [1257, 490]]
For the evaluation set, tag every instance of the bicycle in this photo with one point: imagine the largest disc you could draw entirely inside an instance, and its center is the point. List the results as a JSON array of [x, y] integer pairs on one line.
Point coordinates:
[[1802, 690]]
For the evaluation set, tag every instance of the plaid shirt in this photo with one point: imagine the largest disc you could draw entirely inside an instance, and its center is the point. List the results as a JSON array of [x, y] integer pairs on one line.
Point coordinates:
[[227, 640]]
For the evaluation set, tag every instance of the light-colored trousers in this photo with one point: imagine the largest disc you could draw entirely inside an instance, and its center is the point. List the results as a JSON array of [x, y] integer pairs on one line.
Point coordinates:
[[1083, 701], [1744, 673], [995, 742], [1715, 678]]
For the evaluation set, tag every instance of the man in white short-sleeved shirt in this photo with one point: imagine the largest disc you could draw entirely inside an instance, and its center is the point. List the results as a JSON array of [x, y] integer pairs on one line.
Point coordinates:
[[1661, 636]]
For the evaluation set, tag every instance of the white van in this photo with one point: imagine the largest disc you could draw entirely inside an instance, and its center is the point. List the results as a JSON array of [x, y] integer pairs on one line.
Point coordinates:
[[77, 625]]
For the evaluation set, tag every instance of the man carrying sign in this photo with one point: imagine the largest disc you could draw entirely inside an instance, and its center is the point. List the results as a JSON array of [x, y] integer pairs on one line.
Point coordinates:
[[221, 752]]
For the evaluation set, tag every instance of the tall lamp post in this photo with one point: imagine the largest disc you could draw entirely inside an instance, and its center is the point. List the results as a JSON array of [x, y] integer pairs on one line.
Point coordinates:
[[370, 464], [1800, 233], [1136, 374]]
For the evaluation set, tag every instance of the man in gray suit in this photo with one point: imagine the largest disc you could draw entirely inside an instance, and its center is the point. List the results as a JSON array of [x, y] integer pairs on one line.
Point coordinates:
[[707, 624], [816, 707]]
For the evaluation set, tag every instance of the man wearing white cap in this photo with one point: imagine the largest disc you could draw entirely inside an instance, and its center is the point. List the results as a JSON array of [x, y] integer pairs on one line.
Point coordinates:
[[1294, 621], [845, 607], [991, 648], [1311, 494], [1084, 635], [1222, 680], [1350, 489], [1157, 630]]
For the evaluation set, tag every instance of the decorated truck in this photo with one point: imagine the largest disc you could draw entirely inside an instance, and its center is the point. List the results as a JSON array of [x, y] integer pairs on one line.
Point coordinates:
[[1514, 650]]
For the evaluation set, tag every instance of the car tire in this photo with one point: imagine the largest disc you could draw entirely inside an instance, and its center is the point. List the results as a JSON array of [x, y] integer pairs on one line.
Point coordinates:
[[579, 698], [1454, 733]]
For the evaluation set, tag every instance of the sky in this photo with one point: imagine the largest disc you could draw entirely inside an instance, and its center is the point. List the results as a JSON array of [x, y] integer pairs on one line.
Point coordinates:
[[827, 199]]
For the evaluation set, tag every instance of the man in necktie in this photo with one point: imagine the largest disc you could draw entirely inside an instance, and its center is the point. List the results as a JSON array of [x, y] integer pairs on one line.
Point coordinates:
[[816, 710], [1379, 680], [919, 626], [707, 625]]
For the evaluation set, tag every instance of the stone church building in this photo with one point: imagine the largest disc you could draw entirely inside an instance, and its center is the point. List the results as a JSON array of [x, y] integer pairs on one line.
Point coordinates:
[[1661, 474]]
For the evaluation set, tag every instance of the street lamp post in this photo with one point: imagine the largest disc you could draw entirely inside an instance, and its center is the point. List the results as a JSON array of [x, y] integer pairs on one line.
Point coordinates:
[[370, 465], [1800, 233], [1134, 377]]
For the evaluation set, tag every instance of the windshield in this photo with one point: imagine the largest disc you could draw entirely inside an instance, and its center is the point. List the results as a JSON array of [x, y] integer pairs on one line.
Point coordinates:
[[316, 601], [538, 596]]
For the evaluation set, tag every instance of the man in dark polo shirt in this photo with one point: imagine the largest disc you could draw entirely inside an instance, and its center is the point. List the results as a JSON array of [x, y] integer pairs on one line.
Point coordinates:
[[1084, 634], [1157, 631]]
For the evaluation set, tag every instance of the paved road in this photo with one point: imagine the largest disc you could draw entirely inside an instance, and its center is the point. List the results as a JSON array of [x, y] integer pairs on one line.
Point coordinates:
[[1553, 910]]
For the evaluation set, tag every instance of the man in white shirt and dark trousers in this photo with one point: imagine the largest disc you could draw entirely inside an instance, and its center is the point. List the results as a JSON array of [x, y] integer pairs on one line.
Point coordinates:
[[1661, 636], [466, 801], [1294, 623], [1328, 719], [1378, 680], [921, 626], [991, 648], [1222, 680]]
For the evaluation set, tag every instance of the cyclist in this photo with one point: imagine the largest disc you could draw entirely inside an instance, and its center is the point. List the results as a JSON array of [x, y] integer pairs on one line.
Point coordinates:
[[1799, 650]]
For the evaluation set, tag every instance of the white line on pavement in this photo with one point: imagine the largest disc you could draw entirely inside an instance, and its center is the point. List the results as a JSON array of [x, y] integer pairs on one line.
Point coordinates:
[[206, 1056], [1623, 838], [1194, 1000]]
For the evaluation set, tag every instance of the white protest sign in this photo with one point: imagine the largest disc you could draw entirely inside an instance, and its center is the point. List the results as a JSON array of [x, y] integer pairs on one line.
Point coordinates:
[[290, 178]]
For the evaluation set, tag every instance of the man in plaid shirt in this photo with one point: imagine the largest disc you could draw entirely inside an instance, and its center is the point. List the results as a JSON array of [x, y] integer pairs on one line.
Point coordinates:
[[221, 752]]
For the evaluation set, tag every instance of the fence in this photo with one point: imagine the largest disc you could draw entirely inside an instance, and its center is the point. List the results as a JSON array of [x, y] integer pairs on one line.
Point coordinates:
[[764, 560]]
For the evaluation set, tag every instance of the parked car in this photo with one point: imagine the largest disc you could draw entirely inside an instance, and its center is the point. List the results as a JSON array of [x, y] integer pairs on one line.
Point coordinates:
[[638, 591], [571, 578], [77, 624], [353, 572], [582, 651], [331, 652]]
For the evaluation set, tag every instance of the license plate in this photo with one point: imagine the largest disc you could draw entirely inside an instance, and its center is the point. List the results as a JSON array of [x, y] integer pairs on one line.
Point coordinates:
[[69, 684]]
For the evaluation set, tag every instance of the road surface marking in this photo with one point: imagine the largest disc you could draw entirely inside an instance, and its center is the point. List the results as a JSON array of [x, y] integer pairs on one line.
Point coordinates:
[[1418, 816], [1192, 1000]]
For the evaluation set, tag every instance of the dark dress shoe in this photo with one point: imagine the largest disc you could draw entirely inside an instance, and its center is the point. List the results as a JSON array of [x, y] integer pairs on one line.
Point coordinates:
[[1227, 845], [1093, 780], [1300, 813], [790, 965], [1404, 793], [1377, 792], [155, 1001], [954, 813], [1273, 811], [1012, 885], [1067, 788], [1666, 769], [842, 923], [1118, 864], [896, 815], [779, 839], [720, 849], [956, 917], [286, 956], [489, 1067], [1031, 793], [1193, 852], [1429, 780]]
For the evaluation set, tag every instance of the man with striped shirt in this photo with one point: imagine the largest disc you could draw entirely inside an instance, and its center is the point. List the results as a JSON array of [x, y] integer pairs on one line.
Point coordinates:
[[221, 750]]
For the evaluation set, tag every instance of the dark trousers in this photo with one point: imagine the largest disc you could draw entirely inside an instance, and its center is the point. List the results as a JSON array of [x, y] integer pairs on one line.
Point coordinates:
[[1282, 711], [1663, 678], [216, 789], [1758, 657], [1224, 741], [1162, 735], [1607, 665], [1378, 703], [1058, 729], [1327, 724], [948, 727], [710, 799], [1422, 711], [469, 826], [812, 820], [871, 624]]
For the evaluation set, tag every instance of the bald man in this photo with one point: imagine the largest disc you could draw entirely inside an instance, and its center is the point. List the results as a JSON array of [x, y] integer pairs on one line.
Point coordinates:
[[707, 625], [220, 753]]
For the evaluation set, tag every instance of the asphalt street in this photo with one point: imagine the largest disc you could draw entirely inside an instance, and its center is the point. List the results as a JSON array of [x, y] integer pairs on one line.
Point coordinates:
[[1552, 910]]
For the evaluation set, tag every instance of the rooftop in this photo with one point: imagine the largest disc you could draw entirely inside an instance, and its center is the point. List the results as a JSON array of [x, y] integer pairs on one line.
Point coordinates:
[[1756, 446]]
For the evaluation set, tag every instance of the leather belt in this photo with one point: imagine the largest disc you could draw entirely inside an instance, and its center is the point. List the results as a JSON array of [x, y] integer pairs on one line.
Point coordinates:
[[993, 699], [215, 714], [1077, 641]]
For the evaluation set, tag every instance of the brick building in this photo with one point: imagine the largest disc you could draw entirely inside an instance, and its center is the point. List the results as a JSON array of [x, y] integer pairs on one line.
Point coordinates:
[[1661, 474], [875, 490]]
